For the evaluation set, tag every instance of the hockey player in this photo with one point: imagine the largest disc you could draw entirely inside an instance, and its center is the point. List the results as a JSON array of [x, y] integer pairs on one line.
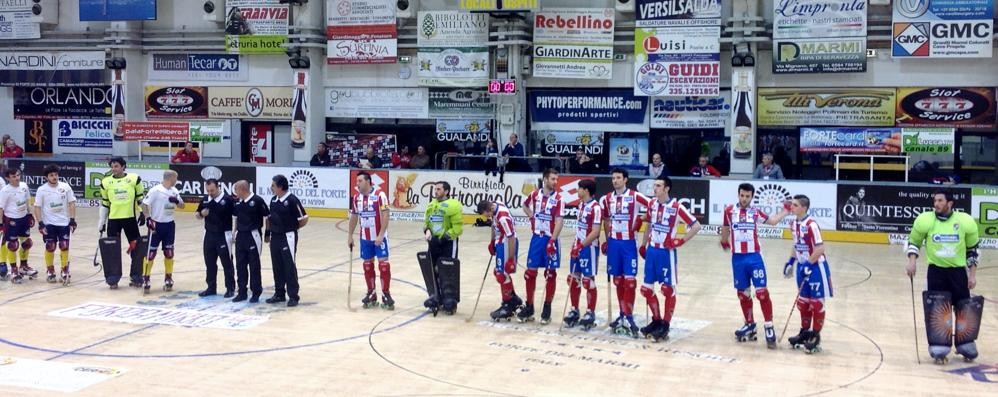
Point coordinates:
[[442, 228], [5, 272], [813, 276], [502, 245], [659, 251], [160, 203], [585, 257], [120, 194], [369, 207], [543, 207], [951, 239], [15, 200], [55, 205], [620, 222], [739, 233]]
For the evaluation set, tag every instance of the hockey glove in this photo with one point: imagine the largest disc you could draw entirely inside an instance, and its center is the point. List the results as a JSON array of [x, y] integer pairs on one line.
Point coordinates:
[[142, 219], [151, 223], [551, 248], [492, 248], [72, 225], [603, 248], [786, 205], [174, 199], [643, 251], [806, 269], [576, 249], [510, 267], [674, 243], [31, 221], [41, 228], [725, 245], [788, 268]]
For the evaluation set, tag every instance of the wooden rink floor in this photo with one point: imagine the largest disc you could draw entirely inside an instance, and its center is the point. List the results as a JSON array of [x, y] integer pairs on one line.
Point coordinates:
[[320, 348]]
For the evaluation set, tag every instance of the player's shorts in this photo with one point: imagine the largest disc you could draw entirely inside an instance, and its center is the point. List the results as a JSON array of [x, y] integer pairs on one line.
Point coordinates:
[[368, 250], [748, 270], [587, 263], [537, 255], [165, 234], [501, 255], [819, 283], [17, 228], [621, 257], [55, 233], [660, 266]]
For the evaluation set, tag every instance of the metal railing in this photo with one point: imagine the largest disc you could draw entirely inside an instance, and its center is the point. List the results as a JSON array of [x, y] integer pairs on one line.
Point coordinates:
[[873, 167], [447, 161]]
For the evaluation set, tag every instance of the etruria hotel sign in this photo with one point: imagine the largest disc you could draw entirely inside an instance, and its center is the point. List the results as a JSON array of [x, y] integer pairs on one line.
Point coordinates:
[[856, 107]]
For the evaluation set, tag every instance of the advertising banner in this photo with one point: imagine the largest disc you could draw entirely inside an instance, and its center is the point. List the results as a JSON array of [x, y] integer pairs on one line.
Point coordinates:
[[928, 140], [38, 137], [967, 107], [261, 103], [630, 153], [256, 26], [452, 29], [117, 10], [17, 22], [191, 178], [943, 28], [346, 150], [206, 131], [566, 143], [197, 67], [450, 67], [459, 103], [819, 36], [985, 210], [52, 69], [314, 187], [150, 173], [588, 110], [176, 102], [677, 48], [361, 32], [770, 195], [851, 107], [850, 140], [391, 103], [574, 43], [62, 102], [156, 131], [261, 141], [33, 174], [694, 194], [691, 112], [83, 136], [457, 130], [889, 208]]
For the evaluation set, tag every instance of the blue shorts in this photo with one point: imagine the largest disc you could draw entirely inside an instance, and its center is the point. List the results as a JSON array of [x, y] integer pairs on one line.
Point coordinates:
[[819, 283], [660, 266], [501, 256], [748, 270], [164, 234], [587, 263], [17, 228], [621, 257], [368, 250], [55, 233], [537, 255]]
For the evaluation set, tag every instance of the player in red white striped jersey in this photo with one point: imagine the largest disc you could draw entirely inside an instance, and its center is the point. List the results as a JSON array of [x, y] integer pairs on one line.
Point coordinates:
[[502, 245], [740, 233], [621, 223], [659, 251], [543, 207], [585, 257], [369, 208], [813, 276]]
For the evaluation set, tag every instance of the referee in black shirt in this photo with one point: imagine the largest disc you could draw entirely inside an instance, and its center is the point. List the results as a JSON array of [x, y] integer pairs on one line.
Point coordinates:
[[249, 211], [286, 216], [216, 210]]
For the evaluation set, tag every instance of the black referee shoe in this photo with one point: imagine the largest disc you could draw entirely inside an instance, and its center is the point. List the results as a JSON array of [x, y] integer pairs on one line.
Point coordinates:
[[207, 292], [275, 299], [293, 302], [239, 298]]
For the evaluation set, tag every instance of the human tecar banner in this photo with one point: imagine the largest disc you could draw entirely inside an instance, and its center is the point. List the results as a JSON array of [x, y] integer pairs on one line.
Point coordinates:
[[52, 69], [942, 28], [677, 48], [197, 67], [256, 26], [691, 111], [361, 32], [851, 107], [819, 36], [967, 107], [889, 208], [573, 43], [588, 110]]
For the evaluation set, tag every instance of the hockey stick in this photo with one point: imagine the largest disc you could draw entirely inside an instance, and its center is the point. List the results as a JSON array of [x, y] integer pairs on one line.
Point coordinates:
[[100, 235], [486, 275], [568, 297], [914, 322], [350, 280], [791, 315]]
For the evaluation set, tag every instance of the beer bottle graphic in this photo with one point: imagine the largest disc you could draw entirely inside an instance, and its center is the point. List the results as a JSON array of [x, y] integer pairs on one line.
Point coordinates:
[[118, 105], [742, 132], [298, 118]]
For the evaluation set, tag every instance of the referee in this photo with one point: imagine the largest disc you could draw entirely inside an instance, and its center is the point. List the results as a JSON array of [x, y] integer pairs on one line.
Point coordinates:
[[216, 211], [286, 216], [249, 211]]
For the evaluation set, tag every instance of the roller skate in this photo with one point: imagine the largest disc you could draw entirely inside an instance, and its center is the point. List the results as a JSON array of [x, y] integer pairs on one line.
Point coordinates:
[[813, 344], [50, 274], [940, 354], [572, 319], [450, 306], [770, 336], [15, 276], [26, 270], [387, 302], [65, 276], [546, 313], [526, 314], [631, 329], [616, 324], [432, 305], [968, 351], [798, 340], [661, 333], [504, 312], [168, 283], [370, 300], [746, 333], [4, 272], [146, 285], [588, 321], [650, 328]]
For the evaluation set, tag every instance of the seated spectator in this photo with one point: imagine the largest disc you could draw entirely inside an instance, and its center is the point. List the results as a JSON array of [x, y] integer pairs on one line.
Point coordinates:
[[581, 163], [321, 156], [657, 167], [11, 150], [420, 160], [768, 170], [515, 149], [491, 158], [370, 160], [704, 169], [401, 158], [186, 155]]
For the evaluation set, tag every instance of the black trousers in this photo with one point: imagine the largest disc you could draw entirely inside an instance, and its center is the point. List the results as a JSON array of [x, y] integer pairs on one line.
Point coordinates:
[[442, 248], [952, 279], [283, 247], [249, 245], [131, 228], [216, 246]]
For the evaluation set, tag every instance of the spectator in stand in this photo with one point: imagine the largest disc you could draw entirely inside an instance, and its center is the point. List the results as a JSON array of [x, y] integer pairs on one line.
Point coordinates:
[[186, 155], [321, 156], [491, 158], [768, 170], [401, 158], [704, 170], [11, 150], [370, 160], [514, 148], [581, 163], [657, 167], [3, 142], [420, 160]]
